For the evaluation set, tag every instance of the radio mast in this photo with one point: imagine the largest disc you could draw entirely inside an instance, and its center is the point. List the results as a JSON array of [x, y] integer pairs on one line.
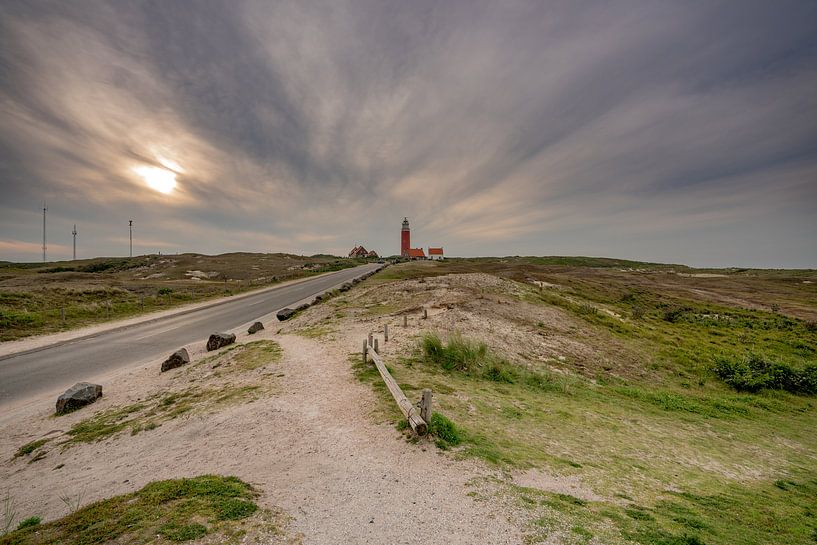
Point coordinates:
[[45, 209], [74, 232]]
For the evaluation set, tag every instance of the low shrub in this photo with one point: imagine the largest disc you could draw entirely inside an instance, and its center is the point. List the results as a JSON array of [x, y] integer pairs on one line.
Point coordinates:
[[673, 314], [754, 373]]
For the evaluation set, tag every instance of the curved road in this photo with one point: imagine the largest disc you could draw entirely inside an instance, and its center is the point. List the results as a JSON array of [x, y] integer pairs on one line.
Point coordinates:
[[55, 368]]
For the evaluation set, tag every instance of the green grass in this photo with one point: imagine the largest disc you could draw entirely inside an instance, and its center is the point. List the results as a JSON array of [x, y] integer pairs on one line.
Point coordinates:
[[473, 359], [693, 403], [177, 510], [444, 431], [627, 438], [29, 522], [28, 448]]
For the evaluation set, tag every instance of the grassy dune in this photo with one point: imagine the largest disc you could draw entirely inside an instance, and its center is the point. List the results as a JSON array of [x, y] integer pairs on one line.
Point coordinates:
[[677, 432]]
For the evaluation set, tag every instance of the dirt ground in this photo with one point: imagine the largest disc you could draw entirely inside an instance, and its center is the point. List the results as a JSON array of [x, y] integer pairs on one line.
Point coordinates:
[[308, 444]]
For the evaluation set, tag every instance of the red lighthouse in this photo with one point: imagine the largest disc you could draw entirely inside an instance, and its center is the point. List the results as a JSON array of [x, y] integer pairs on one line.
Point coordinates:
[[405, 239]]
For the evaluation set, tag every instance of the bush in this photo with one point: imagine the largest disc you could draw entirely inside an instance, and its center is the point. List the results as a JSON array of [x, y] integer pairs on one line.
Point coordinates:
[[673, 314], [754, 373], [165, 291]]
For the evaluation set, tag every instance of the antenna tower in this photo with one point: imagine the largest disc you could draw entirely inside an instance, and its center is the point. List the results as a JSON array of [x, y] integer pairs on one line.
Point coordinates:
[[45, 209], [74, 232], [130, 229]]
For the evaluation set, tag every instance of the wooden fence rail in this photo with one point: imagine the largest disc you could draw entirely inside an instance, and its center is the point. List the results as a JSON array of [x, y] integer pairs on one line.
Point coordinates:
[[406, 407]]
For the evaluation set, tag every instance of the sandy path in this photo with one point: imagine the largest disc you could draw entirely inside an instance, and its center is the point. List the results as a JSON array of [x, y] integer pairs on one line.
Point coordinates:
[[313, 452]]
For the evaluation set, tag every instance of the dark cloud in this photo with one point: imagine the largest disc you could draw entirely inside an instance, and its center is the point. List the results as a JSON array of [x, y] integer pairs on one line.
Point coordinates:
[[682, 132]]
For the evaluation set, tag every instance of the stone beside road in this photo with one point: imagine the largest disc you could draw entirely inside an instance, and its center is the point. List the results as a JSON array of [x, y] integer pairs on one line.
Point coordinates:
[[177, 359], [285, 314], [77, 396], [217, 340], [255, 328]]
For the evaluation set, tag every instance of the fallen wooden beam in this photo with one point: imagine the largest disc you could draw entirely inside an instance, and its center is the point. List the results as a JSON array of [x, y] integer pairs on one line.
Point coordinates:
[[406, 407]]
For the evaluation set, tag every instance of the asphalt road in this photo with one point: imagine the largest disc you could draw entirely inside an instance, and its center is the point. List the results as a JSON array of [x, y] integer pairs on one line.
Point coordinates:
[[55, 368]]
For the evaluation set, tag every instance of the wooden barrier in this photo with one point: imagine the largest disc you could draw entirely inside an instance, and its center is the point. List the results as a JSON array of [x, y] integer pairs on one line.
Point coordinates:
[[409, 411]]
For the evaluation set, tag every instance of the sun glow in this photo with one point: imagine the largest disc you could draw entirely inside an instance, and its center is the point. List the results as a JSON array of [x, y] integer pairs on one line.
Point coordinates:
[[160, 179]]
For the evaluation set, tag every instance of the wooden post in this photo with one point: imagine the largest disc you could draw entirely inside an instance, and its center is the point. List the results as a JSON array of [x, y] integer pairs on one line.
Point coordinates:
[[62, 315], [425, 405], [409, 411], [370, 340], [405, 320], [425, 314], [142, 302], [365, 349], [386, 333], [108, 309], [376, 349]]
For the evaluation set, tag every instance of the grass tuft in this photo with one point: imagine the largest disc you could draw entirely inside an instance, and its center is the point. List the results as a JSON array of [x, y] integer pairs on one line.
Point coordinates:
[[445, 431], [474, 359], [29, 522], [28, 448]]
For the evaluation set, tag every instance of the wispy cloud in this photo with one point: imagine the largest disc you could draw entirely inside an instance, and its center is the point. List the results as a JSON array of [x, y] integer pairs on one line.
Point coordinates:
[[624, 128]]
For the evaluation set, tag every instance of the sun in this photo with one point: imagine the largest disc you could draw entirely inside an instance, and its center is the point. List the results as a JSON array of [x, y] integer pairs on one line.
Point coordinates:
[[160, 179]]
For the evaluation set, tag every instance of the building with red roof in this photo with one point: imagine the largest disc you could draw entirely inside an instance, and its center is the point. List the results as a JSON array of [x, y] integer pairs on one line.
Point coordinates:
[[407, 252]]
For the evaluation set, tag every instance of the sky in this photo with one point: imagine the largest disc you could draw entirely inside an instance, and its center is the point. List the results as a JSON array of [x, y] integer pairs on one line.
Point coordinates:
[[677, 132]]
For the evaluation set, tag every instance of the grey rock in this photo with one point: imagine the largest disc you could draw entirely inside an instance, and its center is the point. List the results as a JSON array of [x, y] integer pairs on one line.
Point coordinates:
[[346, 286], [255, 328], [217, 340], [285, 314], [77, 396], [177, 359], [302, 307]]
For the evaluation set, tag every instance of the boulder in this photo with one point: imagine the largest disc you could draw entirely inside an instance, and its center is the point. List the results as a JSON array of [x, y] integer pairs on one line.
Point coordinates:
[[177, 359], [302, 307], [217, 340], [285, 314], [255, 328], [346, 286], [77, 396]]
